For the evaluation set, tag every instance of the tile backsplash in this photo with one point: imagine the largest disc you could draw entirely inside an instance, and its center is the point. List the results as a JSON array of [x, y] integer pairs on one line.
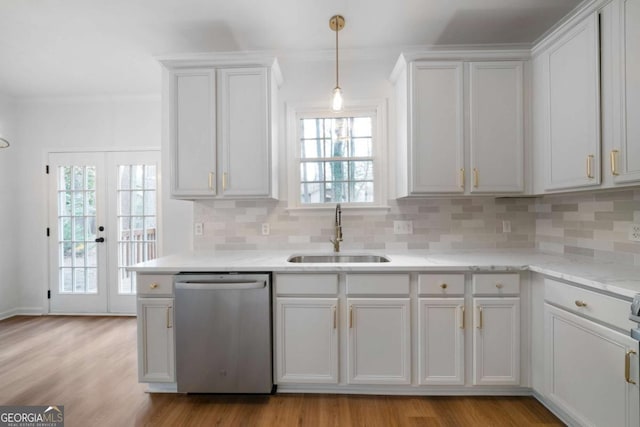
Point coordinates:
[[592, 224], [438, 224]]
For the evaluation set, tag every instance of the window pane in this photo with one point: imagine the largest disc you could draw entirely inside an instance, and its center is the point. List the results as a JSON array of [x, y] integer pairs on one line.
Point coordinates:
[[149, 202], [92, 280], [312, 128], [361, 171], [78, 203], [64, 203], [150, 177], [312, 149], [124, 177], [79, 280], [91, 178], [92, 254], [65, 228], [361, 147], [137, 177], [66, 280], [90, 228], [78, 249], [361, 192], [78, 178], [137, 200], [336, 192], [311, 193], [361, 126], [337, 171], [78, 229], [311, 171], [64, 172]]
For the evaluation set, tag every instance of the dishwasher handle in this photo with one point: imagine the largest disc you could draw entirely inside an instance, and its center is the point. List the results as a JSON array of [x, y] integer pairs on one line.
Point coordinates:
[[219, 286]]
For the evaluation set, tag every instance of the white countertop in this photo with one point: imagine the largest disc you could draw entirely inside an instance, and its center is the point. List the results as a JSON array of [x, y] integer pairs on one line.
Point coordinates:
[[610, 277]]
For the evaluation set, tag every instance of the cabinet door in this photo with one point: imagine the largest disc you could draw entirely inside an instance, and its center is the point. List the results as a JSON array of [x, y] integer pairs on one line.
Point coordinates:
[[625, 159], [244, 131], [307, 340], [496, 127], [586, 370], [496, 341], [379, 341], [441, 336], [156, 349], [192, 110], [436, 146], [574, 109]]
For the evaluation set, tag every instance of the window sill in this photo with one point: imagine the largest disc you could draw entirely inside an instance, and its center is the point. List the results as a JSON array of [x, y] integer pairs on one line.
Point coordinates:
[[346, 210]]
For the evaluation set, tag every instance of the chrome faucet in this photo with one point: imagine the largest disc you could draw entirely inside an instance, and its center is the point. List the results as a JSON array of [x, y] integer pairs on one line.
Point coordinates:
[[338, 229]]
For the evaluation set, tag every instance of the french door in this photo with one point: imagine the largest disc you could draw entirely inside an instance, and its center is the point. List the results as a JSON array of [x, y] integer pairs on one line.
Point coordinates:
[[103, 218]]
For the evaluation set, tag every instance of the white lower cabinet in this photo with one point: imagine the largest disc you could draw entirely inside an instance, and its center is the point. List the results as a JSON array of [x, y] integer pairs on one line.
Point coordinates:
[[591, 370], [156, 348], [496, 341], [379, 346], [307, 340], [441, 341]]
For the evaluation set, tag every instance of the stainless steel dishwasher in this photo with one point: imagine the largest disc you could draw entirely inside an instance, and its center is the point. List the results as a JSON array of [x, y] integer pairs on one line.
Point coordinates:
[[223, 333]]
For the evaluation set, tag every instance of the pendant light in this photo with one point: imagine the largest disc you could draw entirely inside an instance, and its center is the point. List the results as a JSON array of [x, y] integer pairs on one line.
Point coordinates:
[[4, 143], [336, 23]]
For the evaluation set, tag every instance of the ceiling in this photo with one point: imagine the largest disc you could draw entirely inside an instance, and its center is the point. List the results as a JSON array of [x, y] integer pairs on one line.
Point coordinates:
[[92, 47]]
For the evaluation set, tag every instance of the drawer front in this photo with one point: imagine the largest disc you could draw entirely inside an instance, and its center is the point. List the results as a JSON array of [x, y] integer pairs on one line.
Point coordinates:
[[496, 284], [378, 284], [441, 284], [155, 284], [306, 284], [603, 308]]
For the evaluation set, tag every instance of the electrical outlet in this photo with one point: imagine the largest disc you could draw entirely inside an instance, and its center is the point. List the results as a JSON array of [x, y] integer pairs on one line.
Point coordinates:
[[634, 233], [402, 227], [506, 226], [266, 229], [198, 228]]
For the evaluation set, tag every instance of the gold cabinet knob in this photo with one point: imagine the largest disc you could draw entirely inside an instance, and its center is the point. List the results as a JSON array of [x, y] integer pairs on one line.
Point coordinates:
[[443, 286], [499, 285], [581, 303], [153, 285]]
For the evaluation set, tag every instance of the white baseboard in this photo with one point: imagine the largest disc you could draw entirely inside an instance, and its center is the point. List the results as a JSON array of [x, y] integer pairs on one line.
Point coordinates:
[[22, 311], [407, 390]]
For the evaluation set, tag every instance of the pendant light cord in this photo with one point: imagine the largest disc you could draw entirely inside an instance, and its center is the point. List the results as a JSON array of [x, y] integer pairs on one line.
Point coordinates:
[[337, 72]]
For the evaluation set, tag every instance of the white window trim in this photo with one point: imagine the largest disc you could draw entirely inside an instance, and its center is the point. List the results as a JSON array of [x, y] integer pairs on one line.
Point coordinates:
[[297, 111]]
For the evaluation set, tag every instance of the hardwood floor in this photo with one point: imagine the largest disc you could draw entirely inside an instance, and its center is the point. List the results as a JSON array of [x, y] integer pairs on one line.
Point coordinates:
[[88, 364]]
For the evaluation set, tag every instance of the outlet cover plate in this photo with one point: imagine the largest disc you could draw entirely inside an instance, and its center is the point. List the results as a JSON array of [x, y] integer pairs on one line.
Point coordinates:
[[402, 227], [634, 233]]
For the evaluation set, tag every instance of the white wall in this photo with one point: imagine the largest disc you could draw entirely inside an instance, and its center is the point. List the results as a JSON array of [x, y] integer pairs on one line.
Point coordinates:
[[9, 293], [47, 125]]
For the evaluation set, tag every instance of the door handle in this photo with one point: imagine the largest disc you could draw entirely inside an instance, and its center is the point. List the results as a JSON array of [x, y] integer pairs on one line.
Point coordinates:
[[627, 367], [100, 240]]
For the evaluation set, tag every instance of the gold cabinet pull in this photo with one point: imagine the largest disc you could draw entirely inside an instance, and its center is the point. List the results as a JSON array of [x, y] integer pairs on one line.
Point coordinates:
[[224, 181], [335, 317], [580, 303], [212, 177], [462, 315], [627, 367], [350, 316], [589, 170], [169, 324], [475, 178], [153, 285], [614, 167], [499, 285], [461, 178], [479, 317], [443, 286]]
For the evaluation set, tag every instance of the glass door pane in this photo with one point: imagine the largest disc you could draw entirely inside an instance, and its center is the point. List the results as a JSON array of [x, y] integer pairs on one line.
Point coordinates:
[[78, 261]]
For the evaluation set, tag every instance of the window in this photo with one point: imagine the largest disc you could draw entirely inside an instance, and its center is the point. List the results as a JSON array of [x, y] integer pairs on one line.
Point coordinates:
[[336, 158]]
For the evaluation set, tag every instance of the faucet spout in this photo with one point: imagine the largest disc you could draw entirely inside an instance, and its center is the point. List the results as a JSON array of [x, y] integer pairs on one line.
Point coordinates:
[[338, 229]]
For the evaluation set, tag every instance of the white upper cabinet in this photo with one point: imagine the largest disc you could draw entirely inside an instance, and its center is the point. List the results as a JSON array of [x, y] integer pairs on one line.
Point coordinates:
[[192, 93], [447, 109], [496, 136], [221, 127], [573, 155], [624, 158], [436, 132], [244, 126]]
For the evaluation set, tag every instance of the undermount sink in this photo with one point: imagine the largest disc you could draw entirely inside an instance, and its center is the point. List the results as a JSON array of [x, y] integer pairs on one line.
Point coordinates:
[[316, 259]]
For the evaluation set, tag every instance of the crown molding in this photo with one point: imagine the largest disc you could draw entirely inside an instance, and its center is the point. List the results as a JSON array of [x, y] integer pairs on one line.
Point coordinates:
[[580, 12]]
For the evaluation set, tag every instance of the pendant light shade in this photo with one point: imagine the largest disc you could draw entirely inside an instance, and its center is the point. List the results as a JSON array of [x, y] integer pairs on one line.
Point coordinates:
[[4, 143], [336, 23]]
